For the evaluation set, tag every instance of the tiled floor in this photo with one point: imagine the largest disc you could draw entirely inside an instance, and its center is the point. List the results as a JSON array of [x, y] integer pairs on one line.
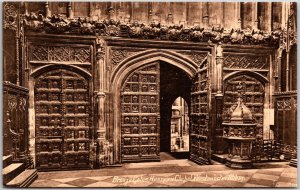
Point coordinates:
[[173, 173]]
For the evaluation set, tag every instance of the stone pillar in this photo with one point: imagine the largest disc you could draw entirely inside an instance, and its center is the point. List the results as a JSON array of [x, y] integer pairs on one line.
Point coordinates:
[[205, 16], [219, 64], [150, 12], [220, 143], [31, 121], [269, 16], [111, 13], [170, 13], [47, 10], [70, 11], [101, 130], [238, 15], [254, 16], [278, 68], [100, 99]]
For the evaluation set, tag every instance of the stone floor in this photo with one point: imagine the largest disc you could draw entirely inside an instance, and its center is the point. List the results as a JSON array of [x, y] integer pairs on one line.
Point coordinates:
[[172, 172]]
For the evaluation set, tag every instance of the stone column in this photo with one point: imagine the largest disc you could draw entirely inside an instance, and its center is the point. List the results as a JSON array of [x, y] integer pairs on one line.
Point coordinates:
[[31, 121], [278, 68], [70, 11], [238, 14], [269, 16], [47, 10], [100, 99], [150, 12], [219, 65], [219, 101], [254, 16], [205, 15]]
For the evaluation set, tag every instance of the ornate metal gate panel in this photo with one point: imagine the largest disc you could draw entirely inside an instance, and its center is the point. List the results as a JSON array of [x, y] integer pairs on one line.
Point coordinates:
[[254, 98], [62, 105], [200, 137], [140, 115]]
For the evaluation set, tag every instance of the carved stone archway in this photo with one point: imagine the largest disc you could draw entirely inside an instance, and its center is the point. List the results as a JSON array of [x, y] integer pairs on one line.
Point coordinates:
[[129, 65]]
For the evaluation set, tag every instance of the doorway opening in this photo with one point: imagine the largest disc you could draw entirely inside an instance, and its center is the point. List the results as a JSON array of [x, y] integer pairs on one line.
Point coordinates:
[[175, 90], [180, 126], [147, 99]]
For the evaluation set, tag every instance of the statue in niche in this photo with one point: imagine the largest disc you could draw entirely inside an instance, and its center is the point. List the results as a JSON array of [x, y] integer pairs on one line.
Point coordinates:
[[144, 109], [152, 79], [127, 109], [135, 130], [144, 88], [135, 108], [152, 129], [55, 109], [134, 99], [55, 84], [153, 109], [144, 79], [126, 120], [69, 97], [152, 88], [127, 88], [135, 78], [44, 97], [152, 99], [144, 99], [135, 88], [135, 120], [145, 120]]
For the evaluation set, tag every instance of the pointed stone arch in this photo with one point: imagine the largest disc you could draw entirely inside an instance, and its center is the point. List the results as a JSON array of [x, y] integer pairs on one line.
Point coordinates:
[[129, 65]]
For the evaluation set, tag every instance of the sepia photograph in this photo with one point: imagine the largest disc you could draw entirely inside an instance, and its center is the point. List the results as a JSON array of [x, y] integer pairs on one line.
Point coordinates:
[[149, 94]]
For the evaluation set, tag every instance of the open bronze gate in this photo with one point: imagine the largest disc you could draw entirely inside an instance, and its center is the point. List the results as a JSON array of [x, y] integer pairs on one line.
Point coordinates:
[[62, 105], [140, 115], [200, 133], [140, 130]]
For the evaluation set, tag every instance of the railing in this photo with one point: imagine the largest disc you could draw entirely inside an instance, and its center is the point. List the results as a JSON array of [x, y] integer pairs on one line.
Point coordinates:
[[15, 122]]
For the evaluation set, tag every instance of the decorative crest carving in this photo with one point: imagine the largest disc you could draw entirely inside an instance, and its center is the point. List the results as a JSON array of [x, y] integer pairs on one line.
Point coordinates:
[[60, 54], [10, 20], [154, 30], [245, 61]]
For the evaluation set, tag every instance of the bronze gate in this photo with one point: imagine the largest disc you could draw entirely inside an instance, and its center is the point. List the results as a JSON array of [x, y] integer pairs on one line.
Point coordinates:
[[253, 92], [200, 133], [63, 118], [140, 125]]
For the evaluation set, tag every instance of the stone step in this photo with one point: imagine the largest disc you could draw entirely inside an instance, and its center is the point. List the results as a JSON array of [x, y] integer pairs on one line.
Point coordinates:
[[293, 162], [221, 158], [11, 171], [6, 160], [24, 179]]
